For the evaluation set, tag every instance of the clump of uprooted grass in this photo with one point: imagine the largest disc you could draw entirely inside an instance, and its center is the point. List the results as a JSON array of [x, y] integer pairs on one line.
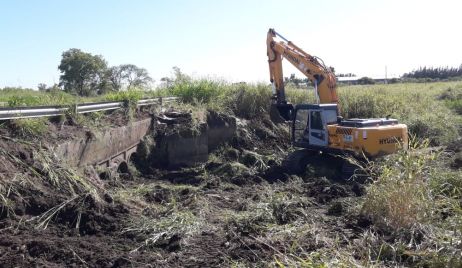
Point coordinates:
[[167, 232], [42, 176], [29, 127]]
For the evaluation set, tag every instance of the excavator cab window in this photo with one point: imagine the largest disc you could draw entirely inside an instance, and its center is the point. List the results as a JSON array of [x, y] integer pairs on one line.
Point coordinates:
[[316, 120], [317, 131], [310, 124], [300, 126]]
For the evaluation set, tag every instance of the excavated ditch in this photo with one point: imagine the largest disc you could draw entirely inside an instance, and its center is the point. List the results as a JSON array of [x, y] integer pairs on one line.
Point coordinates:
[[237, 205]]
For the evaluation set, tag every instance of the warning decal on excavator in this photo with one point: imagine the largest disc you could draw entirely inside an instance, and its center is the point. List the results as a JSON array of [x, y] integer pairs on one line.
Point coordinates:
[[346, 131]]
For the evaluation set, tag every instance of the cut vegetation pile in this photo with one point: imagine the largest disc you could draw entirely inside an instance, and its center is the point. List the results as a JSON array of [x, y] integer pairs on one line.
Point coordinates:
[[242, 208]]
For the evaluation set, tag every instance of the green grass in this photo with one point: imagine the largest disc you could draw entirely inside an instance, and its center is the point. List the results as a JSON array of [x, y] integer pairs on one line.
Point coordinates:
[[29, 127], [14, 97], [418, 105], [428, 109], [415, 194]]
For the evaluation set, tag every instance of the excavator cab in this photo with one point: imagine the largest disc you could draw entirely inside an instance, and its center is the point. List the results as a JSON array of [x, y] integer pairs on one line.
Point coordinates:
[[309, 124], [318, 127]]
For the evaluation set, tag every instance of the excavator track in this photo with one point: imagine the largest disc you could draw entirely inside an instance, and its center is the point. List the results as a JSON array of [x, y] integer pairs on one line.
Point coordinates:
[[297, 162]]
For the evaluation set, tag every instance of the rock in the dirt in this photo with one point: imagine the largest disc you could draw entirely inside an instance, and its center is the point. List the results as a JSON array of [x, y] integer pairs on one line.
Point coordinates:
[[171, 118]]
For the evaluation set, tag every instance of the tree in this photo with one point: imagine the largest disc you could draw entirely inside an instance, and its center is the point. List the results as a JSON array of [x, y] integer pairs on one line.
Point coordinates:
[[115, 79], [166, 82], [135, 76], [82, 73], [179, 76], [42, 87], [128, 76]]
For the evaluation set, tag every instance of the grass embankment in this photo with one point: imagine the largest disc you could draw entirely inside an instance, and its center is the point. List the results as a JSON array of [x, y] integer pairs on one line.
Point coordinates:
[[427, 109]]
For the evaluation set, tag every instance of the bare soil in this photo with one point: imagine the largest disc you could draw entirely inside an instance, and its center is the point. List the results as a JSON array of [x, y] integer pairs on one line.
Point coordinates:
[[241, 208]]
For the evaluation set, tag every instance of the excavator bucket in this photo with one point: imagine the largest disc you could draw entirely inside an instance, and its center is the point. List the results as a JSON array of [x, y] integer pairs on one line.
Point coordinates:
[[281, 112]]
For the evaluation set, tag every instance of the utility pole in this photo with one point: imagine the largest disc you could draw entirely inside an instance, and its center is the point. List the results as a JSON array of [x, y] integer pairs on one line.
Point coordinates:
[[386, 81]]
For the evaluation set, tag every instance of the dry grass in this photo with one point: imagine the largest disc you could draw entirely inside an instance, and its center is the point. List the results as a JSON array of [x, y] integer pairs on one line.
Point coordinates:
[[400, 197]]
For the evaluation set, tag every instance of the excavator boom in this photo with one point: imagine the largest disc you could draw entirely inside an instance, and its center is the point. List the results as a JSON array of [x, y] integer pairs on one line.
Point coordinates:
[[312, 67]]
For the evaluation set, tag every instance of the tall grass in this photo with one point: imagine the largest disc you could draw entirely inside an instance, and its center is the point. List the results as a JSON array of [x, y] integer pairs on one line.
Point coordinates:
[[400, 197], [428, 109], [417, 105], [416, 201], [14, 97]]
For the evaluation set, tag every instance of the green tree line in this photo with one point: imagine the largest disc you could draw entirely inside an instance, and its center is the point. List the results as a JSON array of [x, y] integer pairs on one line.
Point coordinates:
[[435, 73], [85, 74]]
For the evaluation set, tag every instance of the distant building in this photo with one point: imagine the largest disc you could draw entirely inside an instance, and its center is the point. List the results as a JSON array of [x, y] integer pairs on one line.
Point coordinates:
[[354, 80]]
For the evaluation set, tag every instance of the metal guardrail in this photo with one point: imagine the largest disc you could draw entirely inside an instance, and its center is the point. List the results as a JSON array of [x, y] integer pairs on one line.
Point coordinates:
[[42, 111]]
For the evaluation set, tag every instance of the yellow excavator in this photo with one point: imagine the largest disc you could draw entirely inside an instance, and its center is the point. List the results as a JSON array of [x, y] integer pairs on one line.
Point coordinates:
[[319, 126]]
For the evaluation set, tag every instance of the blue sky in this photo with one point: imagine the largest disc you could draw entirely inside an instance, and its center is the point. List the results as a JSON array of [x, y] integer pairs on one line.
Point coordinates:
[[226, 39]]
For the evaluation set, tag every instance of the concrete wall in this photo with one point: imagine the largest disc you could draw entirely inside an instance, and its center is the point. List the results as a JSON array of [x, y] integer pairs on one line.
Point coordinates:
[[221, 129], [104, 146], [189, 147], [180, 146], [183, 148]]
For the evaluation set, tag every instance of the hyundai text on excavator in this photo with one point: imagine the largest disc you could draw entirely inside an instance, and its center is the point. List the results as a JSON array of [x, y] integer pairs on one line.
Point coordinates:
[[319, 126]]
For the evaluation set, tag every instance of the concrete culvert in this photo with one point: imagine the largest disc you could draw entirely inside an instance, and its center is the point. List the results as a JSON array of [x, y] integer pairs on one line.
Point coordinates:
[[104, 175], [133, 158], [123, 167]]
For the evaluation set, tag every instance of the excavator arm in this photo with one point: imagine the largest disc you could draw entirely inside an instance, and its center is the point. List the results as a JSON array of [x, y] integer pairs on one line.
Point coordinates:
[[312, 67]]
